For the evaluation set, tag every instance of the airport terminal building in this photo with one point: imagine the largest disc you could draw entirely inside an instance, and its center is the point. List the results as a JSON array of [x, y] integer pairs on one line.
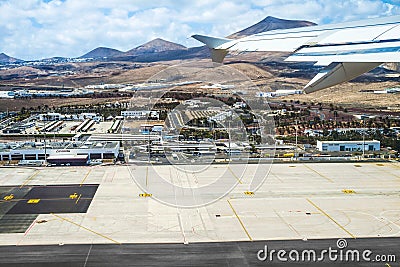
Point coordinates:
[[59, 151], [343, 146]]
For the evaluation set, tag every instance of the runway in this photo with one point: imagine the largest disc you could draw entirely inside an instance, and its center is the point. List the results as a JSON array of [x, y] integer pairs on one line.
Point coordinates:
[[196, 254]]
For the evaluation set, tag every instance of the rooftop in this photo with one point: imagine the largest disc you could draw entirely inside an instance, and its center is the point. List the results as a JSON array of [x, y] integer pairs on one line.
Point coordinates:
[[350, 142], [5, 147]]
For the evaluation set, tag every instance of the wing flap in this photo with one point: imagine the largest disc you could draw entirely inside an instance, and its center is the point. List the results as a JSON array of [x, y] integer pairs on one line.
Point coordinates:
[[337, 73]]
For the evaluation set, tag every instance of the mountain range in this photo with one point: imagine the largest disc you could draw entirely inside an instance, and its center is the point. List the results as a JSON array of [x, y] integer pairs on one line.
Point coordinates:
[[102, 52], [7, 59], [161, 50], [270, 24]]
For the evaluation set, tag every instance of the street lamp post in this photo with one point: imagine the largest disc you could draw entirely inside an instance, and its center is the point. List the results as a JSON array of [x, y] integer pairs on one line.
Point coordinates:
[[229, 136], [45, 145], [363, 155], [295, 153], [363, 149]]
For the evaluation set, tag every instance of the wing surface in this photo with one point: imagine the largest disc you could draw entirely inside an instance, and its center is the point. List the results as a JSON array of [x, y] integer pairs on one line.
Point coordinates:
[[346, 49]]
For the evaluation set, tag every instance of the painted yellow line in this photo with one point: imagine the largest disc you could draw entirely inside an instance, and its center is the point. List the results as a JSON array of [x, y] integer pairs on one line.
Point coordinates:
[[320, 174], [26, 199], [147, 174], [80, 195], [395, 165], [237, 178], [395, 175], [329, 217], [288, 224], [391, 165], [87, 229], [30, 178], [240, 221], [86, 176]]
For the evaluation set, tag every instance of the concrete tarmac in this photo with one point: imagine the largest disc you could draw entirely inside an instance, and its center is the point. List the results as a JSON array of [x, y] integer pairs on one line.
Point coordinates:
[[297, 201]]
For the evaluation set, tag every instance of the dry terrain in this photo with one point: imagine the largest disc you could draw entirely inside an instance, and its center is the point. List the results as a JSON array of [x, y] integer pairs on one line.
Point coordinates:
[[17, 104], [77, 75], [265, 75], [349, 95]]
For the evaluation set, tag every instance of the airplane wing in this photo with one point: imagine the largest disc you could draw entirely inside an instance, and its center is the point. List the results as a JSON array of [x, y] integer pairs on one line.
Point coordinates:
[[347, 50]]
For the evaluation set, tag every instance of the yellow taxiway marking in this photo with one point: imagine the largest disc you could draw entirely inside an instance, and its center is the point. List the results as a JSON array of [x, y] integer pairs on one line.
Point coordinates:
[[33, 201], [240, 221], [320, 174], [329, 217], [237, 178], [73, 196], [348, 191], [87, 229], [9, 197], [30, 178], [76, 202], [26, 199], [145, 195], [86, 176]]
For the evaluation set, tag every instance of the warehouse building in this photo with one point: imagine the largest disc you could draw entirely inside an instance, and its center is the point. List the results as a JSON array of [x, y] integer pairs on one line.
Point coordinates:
[[59, 150], [343, 146]]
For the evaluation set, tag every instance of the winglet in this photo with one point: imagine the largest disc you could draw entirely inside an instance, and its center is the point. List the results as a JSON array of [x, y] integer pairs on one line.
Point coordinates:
[[211, 42], [217, 55]]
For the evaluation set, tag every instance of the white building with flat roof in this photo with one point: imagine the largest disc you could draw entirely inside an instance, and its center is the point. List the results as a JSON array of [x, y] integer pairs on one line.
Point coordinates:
[[141, 114], [51, 116], [7, 94], [93, 116], [343, 146]]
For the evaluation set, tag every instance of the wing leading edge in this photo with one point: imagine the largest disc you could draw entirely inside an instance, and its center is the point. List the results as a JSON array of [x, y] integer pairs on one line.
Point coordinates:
[[347, 50]]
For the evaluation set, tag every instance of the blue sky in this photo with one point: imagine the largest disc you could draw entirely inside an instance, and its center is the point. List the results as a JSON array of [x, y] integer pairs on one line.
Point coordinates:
[[34, 29]]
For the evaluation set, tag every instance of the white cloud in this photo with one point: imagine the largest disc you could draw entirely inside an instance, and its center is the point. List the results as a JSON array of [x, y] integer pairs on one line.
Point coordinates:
[[31, 29], [321, 11]]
